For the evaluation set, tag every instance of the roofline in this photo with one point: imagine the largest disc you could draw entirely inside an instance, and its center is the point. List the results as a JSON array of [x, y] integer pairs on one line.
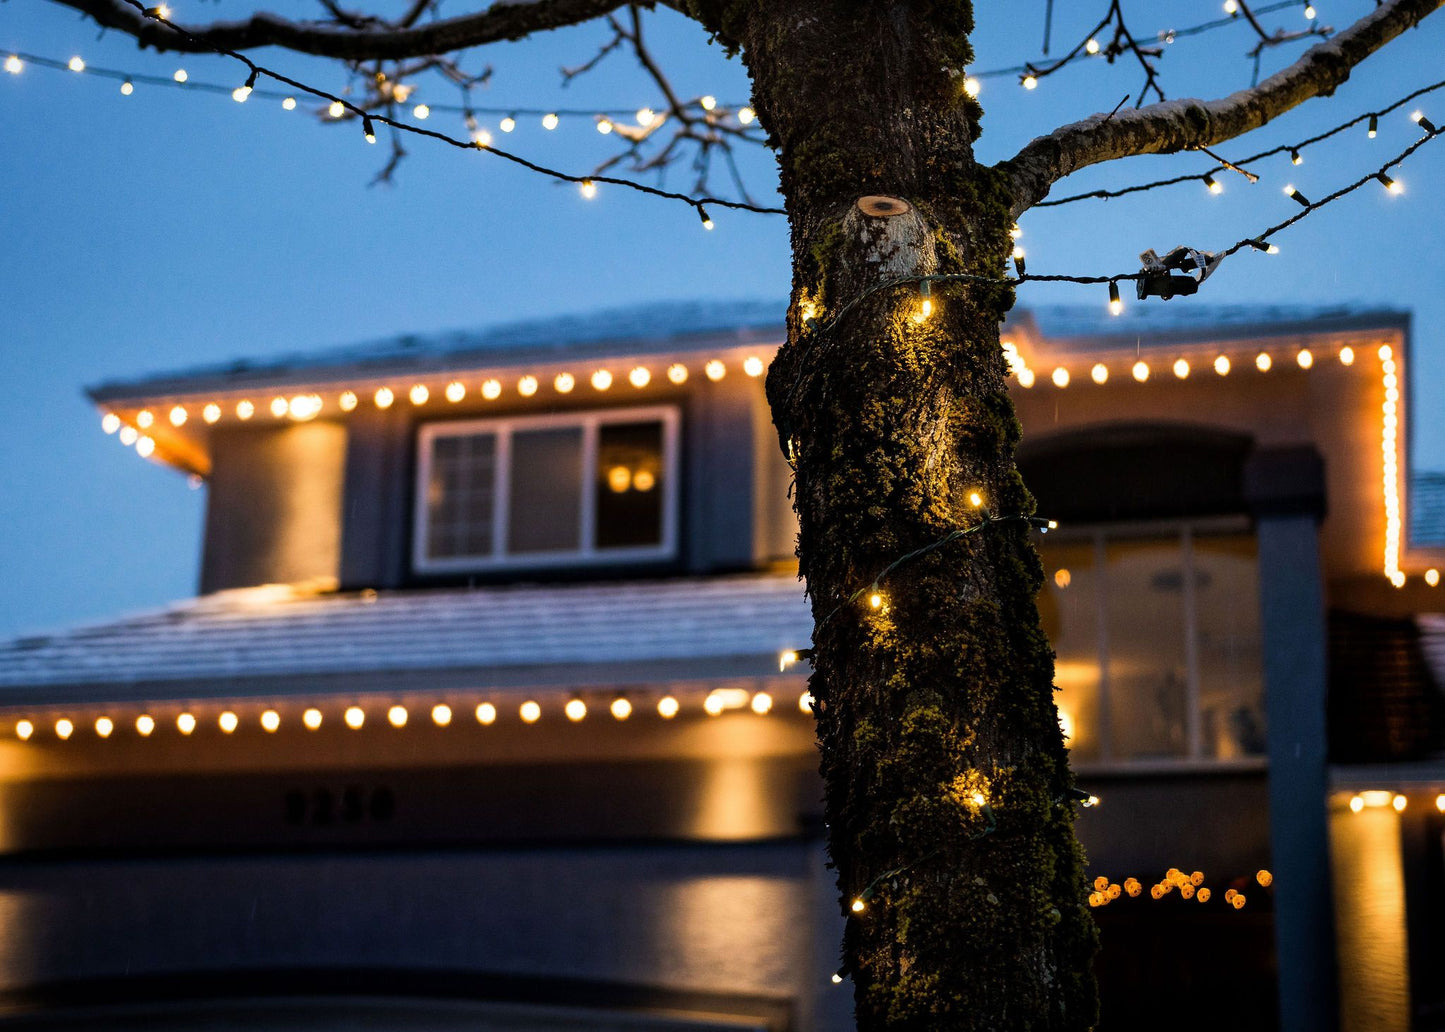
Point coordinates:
[[1389, 319]]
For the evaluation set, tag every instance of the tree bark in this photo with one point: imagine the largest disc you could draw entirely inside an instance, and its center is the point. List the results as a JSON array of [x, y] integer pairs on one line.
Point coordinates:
[[946, 779]]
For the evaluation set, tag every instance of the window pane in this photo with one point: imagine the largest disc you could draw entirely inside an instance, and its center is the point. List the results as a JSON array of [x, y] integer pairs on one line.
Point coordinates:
[[1069, 607], [544, 513], [1144, 607], [1231, 687], [630, 485], [459, 496]]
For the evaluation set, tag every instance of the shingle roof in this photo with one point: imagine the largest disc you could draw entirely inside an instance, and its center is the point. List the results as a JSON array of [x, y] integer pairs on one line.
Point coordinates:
[[1427, 509], [660, 328], [279, 638]]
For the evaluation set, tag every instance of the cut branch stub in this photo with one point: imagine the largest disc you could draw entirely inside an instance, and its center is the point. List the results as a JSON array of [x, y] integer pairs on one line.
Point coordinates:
[[883, 206]]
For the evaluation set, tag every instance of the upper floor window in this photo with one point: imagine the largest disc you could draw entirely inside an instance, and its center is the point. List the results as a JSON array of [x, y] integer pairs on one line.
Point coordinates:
[[1158, 642], [589, 487]]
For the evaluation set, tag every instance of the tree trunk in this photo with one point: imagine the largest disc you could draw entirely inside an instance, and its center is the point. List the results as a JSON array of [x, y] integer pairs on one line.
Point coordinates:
[[947, 783]]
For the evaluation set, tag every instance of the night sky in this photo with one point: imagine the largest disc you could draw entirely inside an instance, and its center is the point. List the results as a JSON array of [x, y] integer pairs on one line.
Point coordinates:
[[172, 228]]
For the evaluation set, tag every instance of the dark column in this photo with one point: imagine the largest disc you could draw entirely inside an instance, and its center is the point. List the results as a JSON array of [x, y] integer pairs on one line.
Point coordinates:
[[1285, 490]]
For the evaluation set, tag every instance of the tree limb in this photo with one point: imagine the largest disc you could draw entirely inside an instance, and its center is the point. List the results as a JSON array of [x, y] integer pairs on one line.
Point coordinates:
[[1177, 125], [503, 20]]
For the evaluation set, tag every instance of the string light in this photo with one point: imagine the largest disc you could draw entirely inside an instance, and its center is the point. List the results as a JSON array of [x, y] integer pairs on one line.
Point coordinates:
[[245, 410], [486, 713], [639, 377], [397, 716], [289, 104], [507, 124], [354, 717], [805, 703], [270, 721], [1141, 370], [667, 707], [1262, 362], [14, 65], [601, 380], [1181, 368], [185, 723], [1391, 185], [527, 386], [1060, 377], [104, 726], [1374, 126], [336, 109], [576, 710], [1347, 355], [1432, 577], [620, 708], [144, 725], [746, 115], [128, 435], [1418, 117], [311, 719], [211, 413], [456, 391], [1295, 158], [145, 447], [144, 418], [714, 370], [441, 714], [677, 373], [1116, 306], [64, 729], [492, 390], [1305, 358], [1291, 192], [419, 394], [1213, 185], [1026, 377], [925, 302], [228, 722], [972, 86], [1029, 82], [421, 112], [279, 407], [587, 189], [383, 397], [549, 121], [563, 383], [530, 712], [1221, 365], [753, 366], [110, 422], [761, 703]]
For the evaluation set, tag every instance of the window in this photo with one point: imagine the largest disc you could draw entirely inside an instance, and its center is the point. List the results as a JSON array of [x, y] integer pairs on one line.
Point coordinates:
[[547, 490], [1158, 643]]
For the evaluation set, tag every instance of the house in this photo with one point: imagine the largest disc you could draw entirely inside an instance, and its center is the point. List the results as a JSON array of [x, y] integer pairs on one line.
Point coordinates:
[[483, 714]]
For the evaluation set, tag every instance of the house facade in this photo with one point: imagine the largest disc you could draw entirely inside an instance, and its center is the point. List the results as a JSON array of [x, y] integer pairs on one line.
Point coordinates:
[[485, 712]]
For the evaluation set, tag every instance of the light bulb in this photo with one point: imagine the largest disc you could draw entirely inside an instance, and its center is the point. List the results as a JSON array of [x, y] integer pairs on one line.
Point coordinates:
[[677, 373], [1295, 195], [228, 722], [145, 724], [421, 111], [270, 721], [492, 390], [14, 65], [1262, 362], [507, 124], [185, 723], [530, 712], [128, 435], [486, 713], [564, 382], [1026, 377], [1374, 126], [972, 86], [875, 600], [383, 397], [336, 109], [347, 401], [1305, 358], [64, 728], [1181, 369], [456, 391], [549, 121], [1221, 365], [1030, 82], [746, 115], [289, 104], [621, 709], [761, 703], [1060, 377], [708, 102], [1091, 46], [145, 447], [1141, 370], [1116, 304], [1310, 12], [601, 380], [604, 126], [1295, 158], [1100, 373], [104, 726], [419, 394], [575, 710], [645, 116], [396, 716], [1231, 7], [1391, 185], [1432, 577], [1214, 185], [715, 370], [527, 386], [667, 707], [482, 138], [311, 719], [753, 366], [180, 75], [77, 65], [354, 717], [211, 413], [110, 422], [639, 377], [240, 94], [587, 189]]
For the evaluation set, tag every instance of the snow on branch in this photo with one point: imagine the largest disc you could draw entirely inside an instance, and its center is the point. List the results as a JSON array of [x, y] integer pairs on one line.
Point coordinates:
[[1177, 125]]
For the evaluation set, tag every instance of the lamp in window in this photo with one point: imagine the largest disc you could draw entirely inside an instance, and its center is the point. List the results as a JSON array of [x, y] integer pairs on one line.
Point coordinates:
[[619, 479]]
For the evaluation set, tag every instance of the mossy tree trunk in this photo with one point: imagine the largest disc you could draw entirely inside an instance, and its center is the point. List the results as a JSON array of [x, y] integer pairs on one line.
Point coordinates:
[[945, 772]]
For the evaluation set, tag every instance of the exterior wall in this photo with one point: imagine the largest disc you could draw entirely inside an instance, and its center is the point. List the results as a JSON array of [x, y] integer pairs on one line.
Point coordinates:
[[273, 514]]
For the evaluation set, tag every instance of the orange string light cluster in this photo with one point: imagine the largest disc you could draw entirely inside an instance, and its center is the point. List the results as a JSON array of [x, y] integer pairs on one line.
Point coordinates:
[[1190, 886]]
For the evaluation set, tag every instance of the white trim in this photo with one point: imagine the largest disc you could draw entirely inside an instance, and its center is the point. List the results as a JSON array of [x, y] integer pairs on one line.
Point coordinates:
[[590, 424]]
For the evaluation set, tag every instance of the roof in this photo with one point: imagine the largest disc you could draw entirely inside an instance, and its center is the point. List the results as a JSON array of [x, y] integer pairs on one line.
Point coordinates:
[[662, 328], [281, 639], [1427, 509]]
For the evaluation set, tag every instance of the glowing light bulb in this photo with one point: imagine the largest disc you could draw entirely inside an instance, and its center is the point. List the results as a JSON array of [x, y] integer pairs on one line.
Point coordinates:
[[145, 447], [144, 418], [645, 116], [707, 223], [110, 422], [75, 64], [753, 366], [336, 109], [228, 722], [482, 138], [1418, 117], [456, 391], [14, 65], [1293, 194], [1440, 802], [185, 723], [145, 724], [441, 714], [419, 394], [507, 124], [1347, 355], [240, 94], [601, 380], [1310, 13], [492, 390], [422, 112], [64, 728], [1091, 45], [1305, 358], [279, 407], [1181, 369], [975, 499], [1116, 304], [746, 115], [354, 717], [1357, 803], [1030, 82], [1432, 577], [1060, 377], [604, 126], [1295, 158], [128, 435], [677, 373], [1100, 373], [713, 705], [311, 719], [575, 710], [383, 397], [667, 707], [837, 978], [714, 370], [1399, 803], [304, 406], [587, 189], [396, 716], [1026, 377], [1374, 126], [486, 713], [858, 906], [530, 712], [805, 702], [1141, 370], [1262, 362], [211, 413], [621, 709], [527, 386], [972, 86], [875, 601], [549, 121], [1391, 185], [708, 102], [1386, 354], [564, 382], [639, 377], [761, 703], [104, 726], [1213, 185], [289, 104], [1231, 7], [270, 721]]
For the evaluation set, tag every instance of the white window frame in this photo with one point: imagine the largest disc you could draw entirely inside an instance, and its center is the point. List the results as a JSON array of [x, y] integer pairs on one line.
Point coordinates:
[[1184, 532], [590, 423]]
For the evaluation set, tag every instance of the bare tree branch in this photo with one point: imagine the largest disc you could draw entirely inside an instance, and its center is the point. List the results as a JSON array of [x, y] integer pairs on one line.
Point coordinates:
[[503, 20], [1183, 124]]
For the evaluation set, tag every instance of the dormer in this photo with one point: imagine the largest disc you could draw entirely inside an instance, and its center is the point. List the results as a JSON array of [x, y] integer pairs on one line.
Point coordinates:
[[632, 444]]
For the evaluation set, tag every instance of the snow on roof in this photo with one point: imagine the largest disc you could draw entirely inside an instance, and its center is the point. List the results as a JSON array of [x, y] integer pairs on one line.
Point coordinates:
[[659, 328], [256, 639]]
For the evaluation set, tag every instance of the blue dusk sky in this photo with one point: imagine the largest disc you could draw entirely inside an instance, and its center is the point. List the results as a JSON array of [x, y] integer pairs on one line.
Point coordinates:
[[172, 228]]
